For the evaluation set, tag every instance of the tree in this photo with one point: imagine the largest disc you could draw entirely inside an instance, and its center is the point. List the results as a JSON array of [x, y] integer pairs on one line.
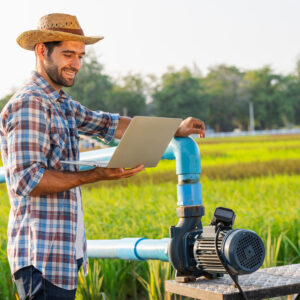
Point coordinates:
[[266, 92], [180, 94], [291, 95], [224, 108], [128, 98]]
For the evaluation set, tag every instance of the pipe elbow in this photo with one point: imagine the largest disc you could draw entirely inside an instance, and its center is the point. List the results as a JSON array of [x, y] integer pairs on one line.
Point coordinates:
[[187, 155]]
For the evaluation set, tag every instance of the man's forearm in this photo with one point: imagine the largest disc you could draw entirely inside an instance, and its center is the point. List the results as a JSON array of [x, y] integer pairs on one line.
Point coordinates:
[[57, 181], [122, 126]]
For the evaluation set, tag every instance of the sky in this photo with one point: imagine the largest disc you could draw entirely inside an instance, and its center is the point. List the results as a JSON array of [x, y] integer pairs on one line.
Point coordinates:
[[147, 36]]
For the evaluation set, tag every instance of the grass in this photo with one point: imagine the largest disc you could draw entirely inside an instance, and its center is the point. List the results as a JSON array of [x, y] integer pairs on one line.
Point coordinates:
[[258, 177], [89, 287]]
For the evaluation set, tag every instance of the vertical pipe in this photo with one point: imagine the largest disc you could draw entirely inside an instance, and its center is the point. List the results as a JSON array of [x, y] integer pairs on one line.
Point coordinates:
[[188, 169], [190, 209]]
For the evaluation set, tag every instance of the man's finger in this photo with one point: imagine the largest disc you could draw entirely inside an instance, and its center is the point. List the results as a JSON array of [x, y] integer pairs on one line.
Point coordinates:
[[131, 172], [199, 131], [198, 123], [134, 170]]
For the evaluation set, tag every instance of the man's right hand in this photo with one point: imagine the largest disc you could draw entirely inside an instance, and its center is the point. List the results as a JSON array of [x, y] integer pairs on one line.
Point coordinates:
[[115, 173]]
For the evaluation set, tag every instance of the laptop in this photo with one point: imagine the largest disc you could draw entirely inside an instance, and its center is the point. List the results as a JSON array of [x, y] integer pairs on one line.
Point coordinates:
[[144, 142]]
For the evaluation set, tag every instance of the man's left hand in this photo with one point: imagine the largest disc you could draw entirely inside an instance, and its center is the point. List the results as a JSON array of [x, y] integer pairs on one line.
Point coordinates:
[[191, 126]]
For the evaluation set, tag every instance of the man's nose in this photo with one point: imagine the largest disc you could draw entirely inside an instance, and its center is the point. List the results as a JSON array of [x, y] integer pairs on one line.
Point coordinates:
[[76, 63]]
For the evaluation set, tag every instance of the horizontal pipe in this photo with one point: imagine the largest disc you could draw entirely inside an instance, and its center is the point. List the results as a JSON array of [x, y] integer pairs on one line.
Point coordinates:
[[2, 176], [129, 249], [99, 155], [102, 155]]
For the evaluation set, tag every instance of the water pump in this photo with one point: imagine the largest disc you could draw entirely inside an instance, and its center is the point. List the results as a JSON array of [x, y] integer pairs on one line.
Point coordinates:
[[213, 250]]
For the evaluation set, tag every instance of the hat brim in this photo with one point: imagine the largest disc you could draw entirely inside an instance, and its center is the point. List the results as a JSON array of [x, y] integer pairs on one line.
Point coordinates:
[[29, 39]]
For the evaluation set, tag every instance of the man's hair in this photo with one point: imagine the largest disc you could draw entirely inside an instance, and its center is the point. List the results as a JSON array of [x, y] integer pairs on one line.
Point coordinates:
[[50, 47]]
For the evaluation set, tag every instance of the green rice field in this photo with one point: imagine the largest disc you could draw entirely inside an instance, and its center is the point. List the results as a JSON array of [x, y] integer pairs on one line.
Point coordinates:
[[258, 177]]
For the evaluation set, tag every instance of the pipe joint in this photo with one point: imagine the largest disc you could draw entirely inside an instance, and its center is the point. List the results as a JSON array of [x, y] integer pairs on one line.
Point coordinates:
[[189, 194], [190, 211], [128, 249], [187, 155]]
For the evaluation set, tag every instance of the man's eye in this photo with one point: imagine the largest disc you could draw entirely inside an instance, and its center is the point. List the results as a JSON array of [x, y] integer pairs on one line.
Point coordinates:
[[67, 55]]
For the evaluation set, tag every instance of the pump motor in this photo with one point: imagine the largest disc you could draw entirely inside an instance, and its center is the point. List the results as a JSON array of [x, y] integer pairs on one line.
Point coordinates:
[[242, 250], [213, 250]]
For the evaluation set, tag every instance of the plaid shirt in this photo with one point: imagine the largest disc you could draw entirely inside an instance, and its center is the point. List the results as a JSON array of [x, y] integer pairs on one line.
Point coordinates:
[[38, 128]]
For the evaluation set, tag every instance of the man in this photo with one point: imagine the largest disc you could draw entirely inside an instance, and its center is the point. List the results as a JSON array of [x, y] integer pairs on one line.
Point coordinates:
[[39, 127]]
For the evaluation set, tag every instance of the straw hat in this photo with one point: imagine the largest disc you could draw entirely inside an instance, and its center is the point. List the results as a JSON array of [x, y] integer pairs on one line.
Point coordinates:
[[55, 27]]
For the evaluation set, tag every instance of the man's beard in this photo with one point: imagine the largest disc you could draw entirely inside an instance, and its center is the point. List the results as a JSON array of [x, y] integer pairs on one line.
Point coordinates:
[[56, 76]]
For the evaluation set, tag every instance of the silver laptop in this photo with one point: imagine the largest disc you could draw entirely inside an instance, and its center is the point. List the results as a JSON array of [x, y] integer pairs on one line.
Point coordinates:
[[144, 142]]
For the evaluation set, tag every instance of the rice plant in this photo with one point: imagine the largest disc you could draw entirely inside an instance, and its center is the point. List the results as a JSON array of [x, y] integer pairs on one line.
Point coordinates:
[[156, 275], [89, 287], [272, 247]]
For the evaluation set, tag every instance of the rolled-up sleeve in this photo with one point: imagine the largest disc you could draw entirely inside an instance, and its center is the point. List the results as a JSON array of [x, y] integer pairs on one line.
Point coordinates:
[[95, 123], [27, 145]]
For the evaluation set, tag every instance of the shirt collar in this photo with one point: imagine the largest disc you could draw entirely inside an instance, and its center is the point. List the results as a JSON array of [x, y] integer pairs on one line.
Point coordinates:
[[48, 89]]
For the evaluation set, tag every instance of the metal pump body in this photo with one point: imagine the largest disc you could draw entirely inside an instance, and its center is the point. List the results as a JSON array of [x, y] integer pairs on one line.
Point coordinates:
[[215, 249], [211, 251]]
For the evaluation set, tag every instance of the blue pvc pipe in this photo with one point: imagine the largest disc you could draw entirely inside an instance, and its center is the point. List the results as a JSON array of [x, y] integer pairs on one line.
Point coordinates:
[[188, 169], [2, 176], [187, 155], [189, 194], [129, 249], [102, 155]]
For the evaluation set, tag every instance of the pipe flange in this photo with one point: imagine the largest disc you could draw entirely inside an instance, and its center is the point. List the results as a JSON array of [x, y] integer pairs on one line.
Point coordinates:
[[190, 211]]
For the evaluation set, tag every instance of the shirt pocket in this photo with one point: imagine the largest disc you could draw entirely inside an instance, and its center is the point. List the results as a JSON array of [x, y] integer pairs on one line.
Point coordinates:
[[59, 147], [74, 143]]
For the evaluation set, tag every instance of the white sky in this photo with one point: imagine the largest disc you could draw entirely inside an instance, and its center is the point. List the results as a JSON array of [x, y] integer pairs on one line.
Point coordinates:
[[147, 36]]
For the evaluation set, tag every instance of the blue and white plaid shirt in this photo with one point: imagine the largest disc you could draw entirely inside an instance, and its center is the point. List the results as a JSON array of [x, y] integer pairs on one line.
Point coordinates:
[[38, 128]]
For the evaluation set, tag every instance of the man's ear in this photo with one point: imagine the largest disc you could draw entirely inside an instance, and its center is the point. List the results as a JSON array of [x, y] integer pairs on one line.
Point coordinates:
[[40, 51]]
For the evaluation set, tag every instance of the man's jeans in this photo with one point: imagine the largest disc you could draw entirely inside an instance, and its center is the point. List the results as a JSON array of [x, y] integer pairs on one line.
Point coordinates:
[[31, 285]]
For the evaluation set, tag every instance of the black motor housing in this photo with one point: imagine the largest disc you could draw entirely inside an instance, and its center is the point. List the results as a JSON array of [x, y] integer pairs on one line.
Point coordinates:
[[242, 250]]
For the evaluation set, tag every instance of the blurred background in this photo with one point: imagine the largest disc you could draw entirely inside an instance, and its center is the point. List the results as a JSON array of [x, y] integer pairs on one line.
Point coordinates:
[[233, 64]]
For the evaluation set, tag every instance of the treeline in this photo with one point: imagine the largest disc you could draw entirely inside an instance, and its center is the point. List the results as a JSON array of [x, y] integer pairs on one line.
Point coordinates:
[[221, 98]]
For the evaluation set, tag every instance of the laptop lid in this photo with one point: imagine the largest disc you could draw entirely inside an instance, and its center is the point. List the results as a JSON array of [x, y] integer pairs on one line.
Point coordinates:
[[144, 142]]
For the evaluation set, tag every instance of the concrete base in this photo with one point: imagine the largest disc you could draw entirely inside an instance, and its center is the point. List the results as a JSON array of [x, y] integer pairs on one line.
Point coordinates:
[[265, 283]]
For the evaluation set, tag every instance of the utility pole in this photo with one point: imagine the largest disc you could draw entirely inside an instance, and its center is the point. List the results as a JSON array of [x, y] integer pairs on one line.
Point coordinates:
[[251, 116]]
